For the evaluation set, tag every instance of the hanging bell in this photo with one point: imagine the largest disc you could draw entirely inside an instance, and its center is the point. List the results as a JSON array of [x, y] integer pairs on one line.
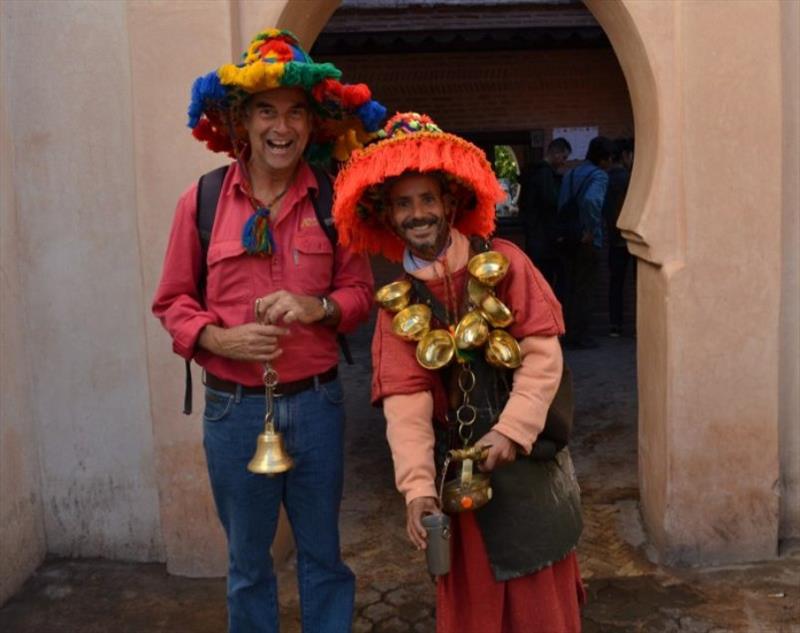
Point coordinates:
[[270, 457]]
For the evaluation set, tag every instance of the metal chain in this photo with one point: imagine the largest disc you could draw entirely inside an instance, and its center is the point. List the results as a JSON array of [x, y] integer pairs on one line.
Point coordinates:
[[466, 413], [270, 378]]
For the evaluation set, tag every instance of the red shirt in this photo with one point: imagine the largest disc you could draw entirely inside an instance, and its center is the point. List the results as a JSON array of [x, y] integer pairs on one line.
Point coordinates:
[[303, 262]]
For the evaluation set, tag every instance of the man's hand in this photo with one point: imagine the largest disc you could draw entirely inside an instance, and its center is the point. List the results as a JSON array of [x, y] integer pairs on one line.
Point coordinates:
[[249, 342], [418, 508], [501, 450], [285, 307]]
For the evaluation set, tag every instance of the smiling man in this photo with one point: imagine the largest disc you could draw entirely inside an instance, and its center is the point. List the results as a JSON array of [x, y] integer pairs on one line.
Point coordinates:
[[427, 198], [269, 286]]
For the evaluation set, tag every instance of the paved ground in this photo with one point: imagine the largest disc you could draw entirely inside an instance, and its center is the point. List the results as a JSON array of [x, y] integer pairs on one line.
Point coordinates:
[[627, 593]]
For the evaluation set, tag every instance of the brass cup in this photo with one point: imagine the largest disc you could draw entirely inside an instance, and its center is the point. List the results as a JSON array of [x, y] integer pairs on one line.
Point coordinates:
[[436, 349], [502, 350], [489, 267], [413, 322], [496, 312], [394, 296], [471, 331], [477, 291]]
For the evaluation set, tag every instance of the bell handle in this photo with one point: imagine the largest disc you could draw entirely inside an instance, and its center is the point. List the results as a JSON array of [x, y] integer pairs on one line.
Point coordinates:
[[475, 453]]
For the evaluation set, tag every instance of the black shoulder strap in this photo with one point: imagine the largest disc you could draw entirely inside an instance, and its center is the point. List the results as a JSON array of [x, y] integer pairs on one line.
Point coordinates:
[[209, 188], [323, 206]]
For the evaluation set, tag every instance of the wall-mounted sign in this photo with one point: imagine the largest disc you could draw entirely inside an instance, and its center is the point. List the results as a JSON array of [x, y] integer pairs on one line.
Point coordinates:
[[578, 138]]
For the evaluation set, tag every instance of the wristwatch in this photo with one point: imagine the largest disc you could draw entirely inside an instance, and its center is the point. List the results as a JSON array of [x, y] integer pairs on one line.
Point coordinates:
[[327, 306]]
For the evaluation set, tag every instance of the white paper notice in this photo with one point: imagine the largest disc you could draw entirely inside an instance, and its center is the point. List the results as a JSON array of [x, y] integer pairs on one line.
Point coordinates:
[[578, 137]]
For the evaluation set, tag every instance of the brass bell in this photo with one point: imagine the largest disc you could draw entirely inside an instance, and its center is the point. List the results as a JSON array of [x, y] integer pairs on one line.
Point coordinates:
[[471, 331], [502, 350], [413, 322], [270, 457], [394, 296], [436, 349], [489, 267], [496, 312]]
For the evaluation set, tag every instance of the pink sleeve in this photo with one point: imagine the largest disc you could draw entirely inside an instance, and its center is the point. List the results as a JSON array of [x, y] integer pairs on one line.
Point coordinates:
[[535, 385], [177, 301], [410, 433], [352, 288]]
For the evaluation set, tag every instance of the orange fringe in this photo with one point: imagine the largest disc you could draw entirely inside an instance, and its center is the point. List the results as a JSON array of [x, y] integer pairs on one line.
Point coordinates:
[[422, 152]]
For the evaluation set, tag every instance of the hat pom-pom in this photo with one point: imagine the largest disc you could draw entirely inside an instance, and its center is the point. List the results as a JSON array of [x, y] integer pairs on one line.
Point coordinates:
[[372, 115]]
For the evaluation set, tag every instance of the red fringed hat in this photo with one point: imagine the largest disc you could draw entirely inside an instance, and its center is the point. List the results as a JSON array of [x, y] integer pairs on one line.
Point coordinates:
[[412, 142]]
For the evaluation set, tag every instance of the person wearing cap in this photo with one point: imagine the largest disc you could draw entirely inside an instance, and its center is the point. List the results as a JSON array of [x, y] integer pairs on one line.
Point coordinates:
[[427, 199], [272, 289]]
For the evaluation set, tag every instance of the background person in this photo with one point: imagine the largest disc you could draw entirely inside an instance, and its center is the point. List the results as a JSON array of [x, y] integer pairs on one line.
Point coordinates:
[[538, 206], [619, 176], [587, 183]]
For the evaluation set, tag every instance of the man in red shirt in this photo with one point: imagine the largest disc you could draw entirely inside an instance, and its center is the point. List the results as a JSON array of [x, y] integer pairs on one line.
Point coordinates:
[[277, 291], [427, 198]]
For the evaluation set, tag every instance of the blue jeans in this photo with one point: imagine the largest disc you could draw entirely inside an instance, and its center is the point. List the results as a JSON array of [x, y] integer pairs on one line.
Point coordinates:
[[312, 424]]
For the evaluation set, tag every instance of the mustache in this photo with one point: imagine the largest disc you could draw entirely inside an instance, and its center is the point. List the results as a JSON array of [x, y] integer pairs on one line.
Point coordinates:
[[414, 223]]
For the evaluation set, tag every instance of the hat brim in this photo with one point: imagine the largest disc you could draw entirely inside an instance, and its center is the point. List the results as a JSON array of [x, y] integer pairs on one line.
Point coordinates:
[[362, 226]]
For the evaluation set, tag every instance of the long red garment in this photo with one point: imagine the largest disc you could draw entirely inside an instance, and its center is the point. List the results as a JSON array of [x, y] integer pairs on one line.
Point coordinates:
[[470, 600]]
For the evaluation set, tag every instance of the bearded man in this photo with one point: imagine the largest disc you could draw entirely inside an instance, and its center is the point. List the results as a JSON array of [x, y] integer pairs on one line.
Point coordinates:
[[427, 198]]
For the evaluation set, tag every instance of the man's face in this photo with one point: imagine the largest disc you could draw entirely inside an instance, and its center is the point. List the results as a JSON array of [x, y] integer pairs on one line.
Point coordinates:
[[278, 124], [559, 159], [419, 213]]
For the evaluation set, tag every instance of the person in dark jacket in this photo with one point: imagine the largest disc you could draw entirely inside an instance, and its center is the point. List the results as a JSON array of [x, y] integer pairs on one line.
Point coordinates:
[[541, 183], [618, 256]]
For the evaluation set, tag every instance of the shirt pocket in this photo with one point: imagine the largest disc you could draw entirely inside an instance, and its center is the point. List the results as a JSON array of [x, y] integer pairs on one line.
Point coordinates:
[[228, 279], [312, 257]]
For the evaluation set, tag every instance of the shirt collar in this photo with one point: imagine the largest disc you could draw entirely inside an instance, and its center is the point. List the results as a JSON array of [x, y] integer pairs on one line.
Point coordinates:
[[303, 181]]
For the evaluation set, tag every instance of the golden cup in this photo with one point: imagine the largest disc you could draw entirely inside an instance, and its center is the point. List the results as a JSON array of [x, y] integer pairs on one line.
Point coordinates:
[[413, 322], [477, 291], [471, 331], [502, 350], [436, 349], [496, 312], [394, 296], [489, 267]]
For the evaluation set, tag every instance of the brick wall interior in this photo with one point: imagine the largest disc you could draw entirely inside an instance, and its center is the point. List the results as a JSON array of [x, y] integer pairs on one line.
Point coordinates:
[[517, 90]]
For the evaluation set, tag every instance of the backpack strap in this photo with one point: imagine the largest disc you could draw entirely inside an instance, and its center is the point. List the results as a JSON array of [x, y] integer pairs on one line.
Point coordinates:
[[322, 202], [209, 188]]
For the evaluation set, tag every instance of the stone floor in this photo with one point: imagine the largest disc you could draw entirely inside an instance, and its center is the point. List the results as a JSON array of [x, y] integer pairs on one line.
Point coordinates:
[[627, 592]]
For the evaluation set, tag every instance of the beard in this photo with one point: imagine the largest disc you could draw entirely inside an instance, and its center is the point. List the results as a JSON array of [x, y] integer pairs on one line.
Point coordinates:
[[429, 247]]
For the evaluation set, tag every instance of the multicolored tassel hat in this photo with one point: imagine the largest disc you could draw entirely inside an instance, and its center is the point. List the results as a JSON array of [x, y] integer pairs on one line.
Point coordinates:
[[412, 142], [345, 114]]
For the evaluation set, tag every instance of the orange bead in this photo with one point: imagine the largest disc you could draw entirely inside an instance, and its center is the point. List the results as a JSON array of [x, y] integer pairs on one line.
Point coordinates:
[[466, 502]]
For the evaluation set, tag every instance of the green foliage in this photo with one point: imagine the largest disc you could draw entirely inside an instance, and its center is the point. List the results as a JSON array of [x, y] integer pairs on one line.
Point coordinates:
[[505, 163]]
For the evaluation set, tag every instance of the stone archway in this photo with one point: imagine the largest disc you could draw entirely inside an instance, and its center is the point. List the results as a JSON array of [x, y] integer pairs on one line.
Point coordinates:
[[692, 431]]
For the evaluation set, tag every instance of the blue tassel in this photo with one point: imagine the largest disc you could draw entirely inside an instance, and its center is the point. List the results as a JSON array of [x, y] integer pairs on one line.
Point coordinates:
[[256, 235]]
